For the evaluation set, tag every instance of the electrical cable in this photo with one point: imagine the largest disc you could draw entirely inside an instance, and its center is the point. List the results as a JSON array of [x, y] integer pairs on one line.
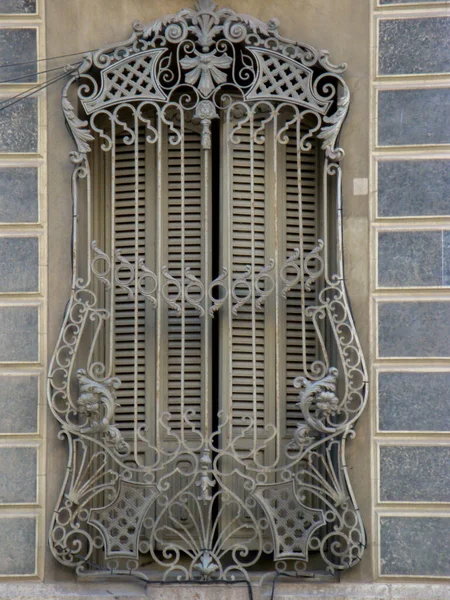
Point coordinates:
[[28, 62], [15, 79], [34, 90], [283, 574], [37, 88]]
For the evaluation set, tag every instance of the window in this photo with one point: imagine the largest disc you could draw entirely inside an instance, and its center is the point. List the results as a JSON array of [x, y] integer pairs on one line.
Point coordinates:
[[208, 370]]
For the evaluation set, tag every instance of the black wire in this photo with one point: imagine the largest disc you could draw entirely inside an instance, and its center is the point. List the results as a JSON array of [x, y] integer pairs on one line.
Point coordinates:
[[31, 91], [282, 574], [27, 62], [13, 79]]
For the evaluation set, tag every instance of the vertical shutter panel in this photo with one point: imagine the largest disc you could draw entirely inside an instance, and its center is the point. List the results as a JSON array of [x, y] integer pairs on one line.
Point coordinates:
[[307, 238], [291, 236], [193, 379], [124, 233], [242, 391]]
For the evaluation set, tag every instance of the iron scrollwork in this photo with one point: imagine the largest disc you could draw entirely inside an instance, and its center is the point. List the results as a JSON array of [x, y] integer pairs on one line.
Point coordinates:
[[288, 508]]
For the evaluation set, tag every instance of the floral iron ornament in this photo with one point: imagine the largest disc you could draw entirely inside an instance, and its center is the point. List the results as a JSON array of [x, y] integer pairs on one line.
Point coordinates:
[[202, 504], [207, 70]]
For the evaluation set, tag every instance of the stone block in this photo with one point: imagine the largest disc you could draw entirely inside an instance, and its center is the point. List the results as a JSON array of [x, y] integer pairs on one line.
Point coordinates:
[[18, 475], [19, 195], [19, 333], [410, 258], [410, 188], [17, 545], [18, 46], [414, 117], [408, 1], [414, 401], [19, 264], [19, 126], [18, 403], [414, 46], [416, 546], [414, 329], [414, 473], [18, 7]]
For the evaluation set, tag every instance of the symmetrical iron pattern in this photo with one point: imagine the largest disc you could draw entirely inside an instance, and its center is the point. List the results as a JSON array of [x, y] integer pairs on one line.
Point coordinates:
[[172, 476]]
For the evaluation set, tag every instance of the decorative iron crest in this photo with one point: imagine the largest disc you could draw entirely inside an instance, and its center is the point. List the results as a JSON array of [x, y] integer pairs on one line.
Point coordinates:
[[205, 52], [111, 502]]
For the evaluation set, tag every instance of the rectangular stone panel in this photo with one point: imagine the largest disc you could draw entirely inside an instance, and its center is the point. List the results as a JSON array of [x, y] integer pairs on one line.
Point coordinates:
[[17, 545], [19, 195], [414, 117], [19, 333], [19, 7], [409, 188], [414, 329], [409, 1], [410, 258], [19, 126], [414, 474], [19, 264], [414, 401], [18, 46], [18, 475], [18, 403], [416, 546], [427, 41], [446, 257]]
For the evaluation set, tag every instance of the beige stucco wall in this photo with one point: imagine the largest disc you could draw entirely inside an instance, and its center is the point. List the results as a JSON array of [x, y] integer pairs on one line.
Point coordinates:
[[341, 27]]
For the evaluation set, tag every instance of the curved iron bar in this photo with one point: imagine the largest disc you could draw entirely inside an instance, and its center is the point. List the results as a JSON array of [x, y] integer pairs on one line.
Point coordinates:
[[300, 503]]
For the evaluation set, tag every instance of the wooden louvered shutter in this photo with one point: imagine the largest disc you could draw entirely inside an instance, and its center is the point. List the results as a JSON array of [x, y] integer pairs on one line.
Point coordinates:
[[126, 223], [178, 378], [247, 361], [269, 208], [301, 227], [184, 382], [262, 345]]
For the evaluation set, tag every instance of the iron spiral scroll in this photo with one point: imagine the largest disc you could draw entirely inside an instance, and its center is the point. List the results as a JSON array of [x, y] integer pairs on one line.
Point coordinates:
[[296, 511]]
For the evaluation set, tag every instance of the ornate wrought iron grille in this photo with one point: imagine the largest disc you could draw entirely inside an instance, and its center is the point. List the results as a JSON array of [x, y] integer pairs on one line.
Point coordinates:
[[208, 373]]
